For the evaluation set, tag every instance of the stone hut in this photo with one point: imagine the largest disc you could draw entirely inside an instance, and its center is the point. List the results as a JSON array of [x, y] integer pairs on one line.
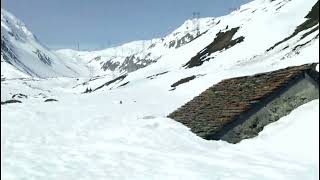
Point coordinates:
[[239, 108]]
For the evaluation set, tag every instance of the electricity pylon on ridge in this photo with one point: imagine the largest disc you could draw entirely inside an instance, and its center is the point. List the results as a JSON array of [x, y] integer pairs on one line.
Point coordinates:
[[196, 22]]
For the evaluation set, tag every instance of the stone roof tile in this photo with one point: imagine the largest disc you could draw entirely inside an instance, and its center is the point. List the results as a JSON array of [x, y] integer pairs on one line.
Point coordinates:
[[226, 101]]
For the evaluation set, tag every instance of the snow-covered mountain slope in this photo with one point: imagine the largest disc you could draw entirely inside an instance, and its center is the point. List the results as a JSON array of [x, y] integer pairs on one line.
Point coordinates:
[[94, 136], [243, 39], [22, 55], [139, 54], [105, 61]]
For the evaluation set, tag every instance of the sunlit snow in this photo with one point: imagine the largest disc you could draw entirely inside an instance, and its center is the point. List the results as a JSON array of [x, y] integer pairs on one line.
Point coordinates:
[[94, 136]]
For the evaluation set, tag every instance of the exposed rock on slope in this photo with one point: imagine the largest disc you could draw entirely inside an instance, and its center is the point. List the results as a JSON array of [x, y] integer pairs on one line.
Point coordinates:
[[23, 55], [222, 41]]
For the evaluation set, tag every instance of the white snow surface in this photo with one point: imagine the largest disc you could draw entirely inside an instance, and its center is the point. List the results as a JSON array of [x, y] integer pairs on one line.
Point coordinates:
[[153, 49], [93, 136], [95, 59], [106, 140], [23, 44]]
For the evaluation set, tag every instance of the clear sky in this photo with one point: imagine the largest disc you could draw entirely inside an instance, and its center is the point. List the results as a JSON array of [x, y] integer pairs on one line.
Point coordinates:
[[102, 23]]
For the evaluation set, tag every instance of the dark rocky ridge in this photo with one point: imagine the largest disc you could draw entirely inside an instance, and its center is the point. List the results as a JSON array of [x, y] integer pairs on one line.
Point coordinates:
[[182, 41], [43, 57], [182, 81], [50, 100], [120, 78], [223, 40], [19, 95], [154, 76], [124, 84], [133, 63], [109, 65], [9, 56], [10, 101]]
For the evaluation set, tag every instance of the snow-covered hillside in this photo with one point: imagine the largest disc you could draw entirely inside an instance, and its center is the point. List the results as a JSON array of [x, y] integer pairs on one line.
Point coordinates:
[[105, 61], [139, 54], [94, 136], [243, 39], [22, 55]]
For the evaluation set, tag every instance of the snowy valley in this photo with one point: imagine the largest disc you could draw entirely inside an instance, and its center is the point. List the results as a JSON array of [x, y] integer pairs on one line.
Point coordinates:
[[67, 121]]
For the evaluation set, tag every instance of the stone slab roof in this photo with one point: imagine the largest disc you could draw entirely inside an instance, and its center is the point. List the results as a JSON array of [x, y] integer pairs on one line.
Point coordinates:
[[226, 101]]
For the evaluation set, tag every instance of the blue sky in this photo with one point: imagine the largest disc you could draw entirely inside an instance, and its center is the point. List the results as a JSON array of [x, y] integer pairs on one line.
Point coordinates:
[[102, 23]]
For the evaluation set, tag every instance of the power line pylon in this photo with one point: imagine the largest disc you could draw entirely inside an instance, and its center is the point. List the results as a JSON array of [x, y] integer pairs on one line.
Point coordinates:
[[196, 22]]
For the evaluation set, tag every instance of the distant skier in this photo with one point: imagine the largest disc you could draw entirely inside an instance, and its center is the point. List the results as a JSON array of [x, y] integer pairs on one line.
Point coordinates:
[[120, 102]]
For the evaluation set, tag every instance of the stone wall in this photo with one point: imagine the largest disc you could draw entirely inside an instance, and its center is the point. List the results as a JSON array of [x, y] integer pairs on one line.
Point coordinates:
[[299, 94]]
